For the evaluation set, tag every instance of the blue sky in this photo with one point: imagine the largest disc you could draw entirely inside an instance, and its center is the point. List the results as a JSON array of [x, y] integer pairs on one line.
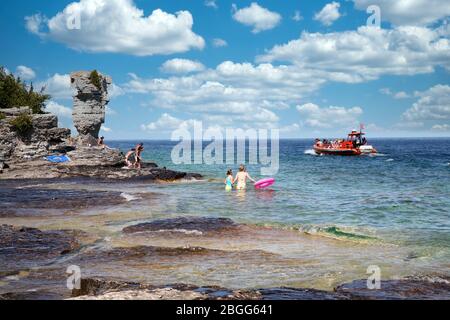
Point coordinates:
[[309, 68]]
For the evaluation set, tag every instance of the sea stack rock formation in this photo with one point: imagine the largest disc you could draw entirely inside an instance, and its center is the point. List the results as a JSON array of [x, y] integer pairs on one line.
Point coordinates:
[[89, 104]]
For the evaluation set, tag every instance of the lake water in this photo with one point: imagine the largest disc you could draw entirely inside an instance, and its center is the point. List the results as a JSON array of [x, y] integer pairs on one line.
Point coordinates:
[[324, 222]]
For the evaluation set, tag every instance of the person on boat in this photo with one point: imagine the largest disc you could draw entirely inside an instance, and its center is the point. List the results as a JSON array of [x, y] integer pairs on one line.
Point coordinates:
[[241, 178], [130, 153], [229, 181], [364, 141], [138, 156], [319, 143]]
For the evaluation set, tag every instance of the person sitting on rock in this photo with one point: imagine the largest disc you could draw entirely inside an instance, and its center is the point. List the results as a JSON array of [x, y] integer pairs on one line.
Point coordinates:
[[101, 142], [139, 149]]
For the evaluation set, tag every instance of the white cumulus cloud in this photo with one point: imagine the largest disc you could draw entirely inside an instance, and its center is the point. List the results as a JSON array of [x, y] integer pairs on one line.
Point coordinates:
[[118, 26], [433, 104], [218, 43], [58, 86], [257, 17], [441, 127], [181, 66], [409, 12], [25, 73], [105, 129], [367, 53], [297, 16], [211, 4], [329, 14], [168, 123], [58, 110], [330, 117]]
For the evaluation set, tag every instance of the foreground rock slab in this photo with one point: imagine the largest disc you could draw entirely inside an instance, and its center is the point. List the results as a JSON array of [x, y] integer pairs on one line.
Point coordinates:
[[22, 248]]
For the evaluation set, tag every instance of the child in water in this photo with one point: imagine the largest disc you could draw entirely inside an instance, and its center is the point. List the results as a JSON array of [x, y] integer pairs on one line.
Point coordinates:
[[229, 181]]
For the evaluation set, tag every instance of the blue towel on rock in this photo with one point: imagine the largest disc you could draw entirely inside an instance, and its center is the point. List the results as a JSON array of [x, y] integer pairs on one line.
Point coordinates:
[[57, 159]]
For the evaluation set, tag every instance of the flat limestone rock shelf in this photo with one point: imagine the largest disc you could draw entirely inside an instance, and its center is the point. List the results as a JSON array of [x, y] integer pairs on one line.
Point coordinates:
[[93, 168]]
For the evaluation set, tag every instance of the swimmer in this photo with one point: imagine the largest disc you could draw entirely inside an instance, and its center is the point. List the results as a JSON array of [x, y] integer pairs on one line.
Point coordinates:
[[229, 181], [241, 178]]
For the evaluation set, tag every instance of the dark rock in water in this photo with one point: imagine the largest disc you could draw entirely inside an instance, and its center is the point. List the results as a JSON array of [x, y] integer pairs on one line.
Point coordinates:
[[92, 286], [137, 253], [28, 201], [22, 247], [410, 289], [202, 224], [165, 175], [31, 295], [298, 294]]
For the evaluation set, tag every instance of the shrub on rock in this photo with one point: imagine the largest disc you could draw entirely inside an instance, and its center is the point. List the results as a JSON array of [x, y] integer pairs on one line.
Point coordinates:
[[95, 79], [22, 123]]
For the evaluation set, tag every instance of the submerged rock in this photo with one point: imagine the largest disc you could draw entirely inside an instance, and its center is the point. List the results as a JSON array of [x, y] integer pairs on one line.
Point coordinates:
[[298, 294], [22, 247], [35, 201], [200, 224], [409, 288]]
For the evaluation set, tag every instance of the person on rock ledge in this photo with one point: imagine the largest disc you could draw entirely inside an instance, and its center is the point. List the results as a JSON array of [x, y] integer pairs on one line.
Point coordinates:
[[101, 142], [138, 156]]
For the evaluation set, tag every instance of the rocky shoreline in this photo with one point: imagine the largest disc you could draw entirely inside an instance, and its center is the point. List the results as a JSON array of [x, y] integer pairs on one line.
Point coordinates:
[[27, 138], [42, 169], [31, 258]]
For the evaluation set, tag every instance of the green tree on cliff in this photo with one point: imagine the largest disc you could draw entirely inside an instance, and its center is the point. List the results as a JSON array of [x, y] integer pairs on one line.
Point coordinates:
[[15, 93]]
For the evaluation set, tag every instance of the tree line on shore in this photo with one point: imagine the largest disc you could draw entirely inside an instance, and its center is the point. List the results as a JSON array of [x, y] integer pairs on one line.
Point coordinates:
[[14, 92]]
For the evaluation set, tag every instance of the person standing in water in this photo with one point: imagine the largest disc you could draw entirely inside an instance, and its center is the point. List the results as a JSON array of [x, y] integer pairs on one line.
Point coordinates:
[[229, 181], [242, 177]]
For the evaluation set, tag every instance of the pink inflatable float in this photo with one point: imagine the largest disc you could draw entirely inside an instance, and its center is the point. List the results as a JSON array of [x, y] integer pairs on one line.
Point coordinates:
[[264, 183]]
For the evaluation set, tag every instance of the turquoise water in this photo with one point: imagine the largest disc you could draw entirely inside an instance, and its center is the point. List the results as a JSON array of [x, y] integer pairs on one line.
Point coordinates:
[[400, 196], [324, 222]]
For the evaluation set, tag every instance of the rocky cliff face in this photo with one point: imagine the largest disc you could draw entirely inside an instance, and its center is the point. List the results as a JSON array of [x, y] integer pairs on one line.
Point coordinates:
[[42, 138], [89, 104]]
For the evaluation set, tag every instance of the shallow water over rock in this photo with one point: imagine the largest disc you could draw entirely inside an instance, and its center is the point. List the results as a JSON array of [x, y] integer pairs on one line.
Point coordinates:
[[137, 233], [198, 224]]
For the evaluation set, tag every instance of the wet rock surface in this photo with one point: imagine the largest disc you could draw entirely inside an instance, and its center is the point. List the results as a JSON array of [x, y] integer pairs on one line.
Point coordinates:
[[99, 289], [36, 201], [99, 165], [200, 224], [411, 289], [298, 294], [22, 247]]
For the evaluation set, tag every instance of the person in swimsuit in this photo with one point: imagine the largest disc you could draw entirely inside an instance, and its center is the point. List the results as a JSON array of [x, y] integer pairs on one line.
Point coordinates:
[[241, 178], [127, 158], [229, 181], [139, 149]]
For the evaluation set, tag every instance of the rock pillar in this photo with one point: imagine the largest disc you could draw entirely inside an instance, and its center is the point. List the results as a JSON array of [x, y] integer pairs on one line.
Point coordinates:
[[89, 104]]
